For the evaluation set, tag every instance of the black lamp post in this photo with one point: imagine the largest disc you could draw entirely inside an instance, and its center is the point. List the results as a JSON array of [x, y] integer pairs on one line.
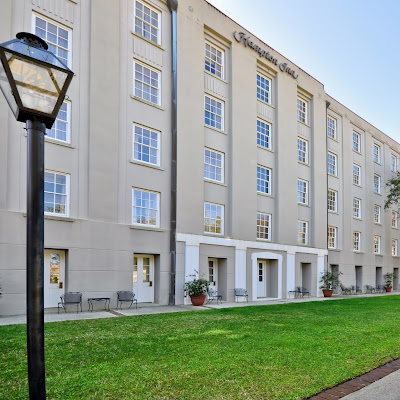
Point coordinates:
[[34, 82]]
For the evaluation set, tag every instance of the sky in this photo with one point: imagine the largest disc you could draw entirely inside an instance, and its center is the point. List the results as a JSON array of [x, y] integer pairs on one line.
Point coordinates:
[[351, 46]]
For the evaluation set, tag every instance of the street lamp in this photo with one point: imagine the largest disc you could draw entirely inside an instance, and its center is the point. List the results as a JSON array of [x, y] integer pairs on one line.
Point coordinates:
[[34, 82]]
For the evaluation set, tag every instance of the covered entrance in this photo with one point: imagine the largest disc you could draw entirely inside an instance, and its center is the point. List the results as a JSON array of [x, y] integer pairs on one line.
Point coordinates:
[[213, 273], [143, 277], [54, 276], [267, 279]]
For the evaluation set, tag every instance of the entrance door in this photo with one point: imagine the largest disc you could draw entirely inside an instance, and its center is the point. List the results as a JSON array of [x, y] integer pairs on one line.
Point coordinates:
[[396, 279], [359, 286], [213, 273], [54, 275], [143, 276], [262, 279]]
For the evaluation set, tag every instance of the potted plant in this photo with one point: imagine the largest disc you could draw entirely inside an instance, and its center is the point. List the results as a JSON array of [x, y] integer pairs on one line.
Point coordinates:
[[197, 290], [329, 282], [389, 281]]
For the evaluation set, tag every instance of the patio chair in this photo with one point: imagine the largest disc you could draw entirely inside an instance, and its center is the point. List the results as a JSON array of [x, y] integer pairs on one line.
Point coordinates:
[[346, 290], [302, 291], [358, 290], [370, 289], [380, 289], [126, 296], [239, 292], [74, 298], [213, 295]]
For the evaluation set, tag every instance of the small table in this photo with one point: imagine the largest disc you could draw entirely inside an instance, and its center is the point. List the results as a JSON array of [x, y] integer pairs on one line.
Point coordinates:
[[105, 299]]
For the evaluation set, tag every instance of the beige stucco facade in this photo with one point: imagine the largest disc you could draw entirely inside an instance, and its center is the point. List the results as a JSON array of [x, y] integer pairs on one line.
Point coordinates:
[[100, 243]]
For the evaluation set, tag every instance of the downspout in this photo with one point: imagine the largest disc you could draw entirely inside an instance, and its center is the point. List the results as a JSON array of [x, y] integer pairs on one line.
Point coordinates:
[[173, 6], [327, 183]]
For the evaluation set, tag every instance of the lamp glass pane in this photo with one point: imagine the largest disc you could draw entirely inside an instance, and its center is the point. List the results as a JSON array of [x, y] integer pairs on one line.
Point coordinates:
[[38, 86], [6, 89]]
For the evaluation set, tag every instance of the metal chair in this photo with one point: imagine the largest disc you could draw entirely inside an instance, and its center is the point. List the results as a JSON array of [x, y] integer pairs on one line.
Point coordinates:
[[68, 298], [239, 292], [213, 295], [302, 291], [346, 290], [370, 289], [126, 296]]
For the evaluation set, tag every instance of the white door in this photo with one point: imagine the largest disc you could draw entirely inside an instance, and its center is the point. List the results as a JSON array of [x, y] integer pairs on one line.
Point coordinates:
[[261, 283], [213, 273], [143, 276], [54, 275]]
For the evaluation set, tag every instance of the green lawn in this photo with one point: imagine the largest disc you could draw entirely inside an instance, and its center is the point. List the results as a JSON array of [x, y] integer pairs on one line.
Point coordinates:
[[288, 351]]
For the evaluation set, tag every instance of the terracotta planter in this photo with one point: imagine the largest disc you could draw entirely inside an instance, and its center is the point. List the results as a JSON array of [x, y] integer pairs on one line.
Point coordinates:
[[388, 288], [198, 300], [327, 292]]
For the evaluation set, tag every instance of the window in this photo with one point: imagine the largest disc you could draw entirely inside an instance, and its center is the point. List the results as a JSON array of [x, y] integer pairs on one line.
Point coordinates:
[[263, 180], [356, 207], [214, 165], [213, 218], [332, 200], [263, 89], [394, 247], [302, 229], [377, 183], [377, 244], [57, 37], [356, 174], [61, 127], [377, 153], [394, 219], [214, 112], [356, 241], [332, 164], [146, 145], [147, 22], [332, 231], [302, 150], [147, 83], [356, 142], [393, 163], [301, 110], [331, 124], [302, 191], [56, 193], [263, 226], [377, 214], [263, 134], [146, 208], [214, 60]]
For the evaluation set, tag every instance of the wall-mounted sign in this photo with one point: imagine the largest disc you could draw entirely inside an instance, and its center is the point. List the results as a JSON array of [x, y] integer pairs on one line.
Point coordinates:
[[241, 37]]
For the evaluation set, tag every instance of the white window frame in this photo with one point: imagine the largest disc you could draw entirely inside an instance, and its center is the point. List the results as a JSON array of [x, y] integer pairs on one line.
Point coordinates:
[[52, 44], [394, 247], [356, 241], [222, 103], [332, 237], [393, 162], [357, 211], [149, 145], [358, 176], [333, 165], [302, 110], [377, 184], [211, 61], [302, 232], [377, 244], [331, 127], [262, 92], [222, 218], [67, 123], [143, 83], [394, 219], [376, 151], [302, 150], [214, 166], [263, 226], [159, 19], [264, 182], [356, 142], [141, 207], [377, 214], [264, 131], [55, 193], [332, 200], [302, 191]]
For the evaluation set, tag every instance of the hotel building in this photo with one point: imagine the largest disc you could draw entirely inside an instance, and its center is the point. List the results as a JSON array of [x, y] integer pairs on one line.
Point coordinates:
[[272, 181]]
